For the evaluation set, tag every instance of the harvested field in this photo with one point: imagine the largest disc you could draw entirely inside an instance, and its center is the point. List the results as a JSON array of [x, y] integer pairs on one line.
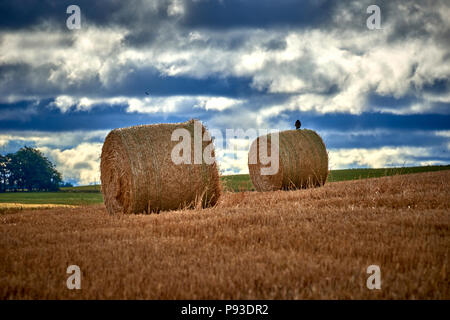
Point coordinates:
[[14, 207], [304, 244]]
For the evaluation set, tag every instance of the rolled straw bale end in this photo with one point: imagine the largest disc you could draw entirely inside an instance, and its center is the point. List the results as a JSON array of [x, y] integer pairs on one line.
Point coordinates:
[[139, 175]]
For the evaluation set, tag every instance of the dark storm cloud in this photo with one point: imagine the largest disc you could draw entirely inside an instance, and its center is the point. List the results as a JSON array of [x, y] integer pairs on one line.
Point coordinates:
[[144, 18], [388, 138], [276, 44], [205, 14], [149, 79], [13, 71], [30, 13], [138, 14], [391, 101], [257, 14], [419, 19], [106, 117], [23, 79], [438, 86], [47, 118]]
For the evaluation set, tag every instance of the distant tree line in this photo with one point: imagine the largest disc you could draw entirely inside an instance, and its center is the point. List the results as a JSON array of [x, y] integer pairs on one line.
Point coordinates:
[[28, 170]]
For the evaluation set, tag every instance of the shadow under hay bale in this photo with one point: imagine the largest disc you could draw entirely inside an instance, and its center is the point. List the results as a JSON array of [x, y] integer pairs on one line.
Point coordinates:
[[303, 161], [139, 176]]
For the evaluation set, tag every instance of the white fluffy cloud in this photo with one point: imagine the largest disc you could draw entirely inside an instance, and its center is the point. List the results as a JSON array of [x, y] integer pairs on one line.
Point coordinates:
[[380, 157], [148, 104], [218, 103], [73, 153], [80, 163], [52, 139], [92, 53]]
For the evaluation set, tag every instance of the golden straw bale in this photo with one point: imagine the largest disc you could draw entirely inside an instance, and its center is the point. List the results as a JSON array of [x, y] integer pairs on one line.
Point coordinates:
[[303, 161], [139, 176]]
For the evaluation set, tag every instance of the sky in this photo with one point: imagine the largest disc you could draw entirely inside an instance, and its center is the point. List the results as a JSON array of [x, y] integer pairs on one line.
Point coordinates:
[[378, 97]]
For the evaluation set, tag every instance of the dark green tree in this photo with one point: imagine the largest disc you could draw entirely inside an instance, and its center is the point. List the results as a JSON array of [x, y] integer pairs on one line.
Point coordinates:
[[30, 169], [3, 173]]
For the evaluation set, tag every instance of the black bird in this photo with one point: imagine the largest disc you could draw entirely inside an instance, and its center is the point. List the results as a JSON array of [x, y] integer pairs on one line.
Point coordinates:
[[298, 124], [146, 92]]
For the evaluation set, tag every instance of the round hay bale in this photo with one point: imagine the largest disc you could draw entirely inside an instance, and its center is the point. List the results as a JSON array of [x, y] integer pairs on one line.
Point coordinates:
[[303, 161], [139, 176]]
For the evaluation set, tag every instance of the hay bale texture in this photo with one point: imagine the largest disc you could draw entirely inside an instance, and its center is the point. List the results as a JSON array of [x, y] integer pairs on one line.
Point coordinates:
[[303, 161], [139, 176]]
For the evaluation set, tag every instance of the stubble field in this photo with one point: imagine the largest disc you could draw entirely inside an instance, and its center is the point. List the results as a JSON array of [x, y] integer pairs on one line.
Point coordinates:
[[305, 244]]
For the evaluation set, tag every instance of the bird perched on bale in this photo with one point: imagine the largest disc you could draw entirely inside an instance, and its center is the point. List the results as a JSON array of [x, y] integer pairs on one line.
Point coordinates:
[[298, 124]]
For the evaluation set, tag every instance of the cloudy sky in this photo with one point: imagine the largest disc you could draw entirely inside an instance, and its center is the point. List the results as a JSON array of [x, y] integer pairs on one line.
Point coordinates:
[[377, 97]]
